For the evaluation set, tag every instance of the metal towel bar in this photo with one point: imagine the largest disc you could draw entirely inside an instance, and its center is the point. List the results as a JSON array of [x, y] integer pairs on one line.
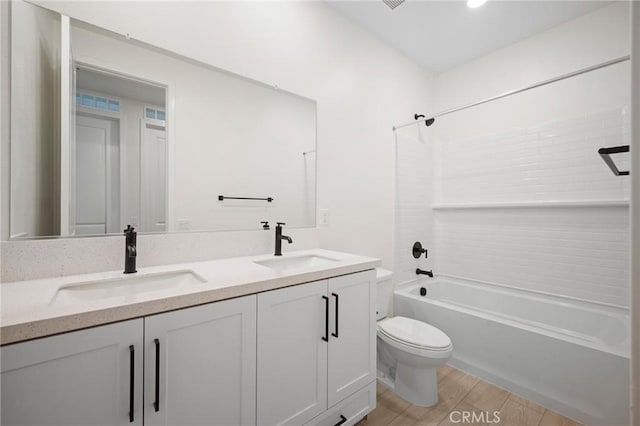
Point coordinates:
[[222, 197], [605, 153]]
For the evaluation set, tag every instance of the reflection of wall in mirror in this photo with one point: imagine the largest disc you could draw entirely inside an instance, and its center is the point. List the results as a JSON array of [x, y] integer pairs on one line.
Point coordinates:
[[34, 120], [233, 137]]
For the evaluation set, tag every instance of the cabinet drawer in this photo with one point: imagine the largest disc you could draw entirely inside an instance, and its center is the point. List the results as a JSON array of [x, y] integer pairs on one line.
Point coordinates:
[[353, 408]]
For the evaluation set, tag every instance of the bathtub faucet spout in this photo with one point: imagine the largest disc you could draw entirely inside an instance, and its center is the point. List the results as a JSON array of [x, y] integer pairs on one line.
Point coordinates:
[[422, 272]]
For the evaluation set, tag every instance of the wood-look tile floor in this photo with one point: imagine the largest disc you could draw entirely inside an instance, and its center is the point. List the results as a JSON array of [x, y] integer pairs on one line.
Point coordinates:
[[460, 392]]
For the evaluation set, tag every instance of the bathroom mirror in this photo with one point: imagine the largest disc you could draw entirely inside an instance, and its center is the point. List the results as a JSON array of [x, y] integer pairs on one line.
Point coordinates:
[[116, 132]]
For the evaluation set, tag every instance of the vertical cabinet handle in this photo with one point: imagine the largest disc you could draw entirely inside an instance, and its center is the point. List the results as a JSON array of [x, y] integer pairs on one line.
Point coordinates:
[[343, 419], [326, 319], [132, 358], [156, 403], [336, 333]]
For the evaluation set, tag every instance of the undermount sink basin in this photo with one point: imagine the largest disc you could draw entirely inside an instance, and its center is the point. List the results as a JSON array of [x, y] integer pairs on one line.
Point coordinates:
[[124, 286], [286, 264]]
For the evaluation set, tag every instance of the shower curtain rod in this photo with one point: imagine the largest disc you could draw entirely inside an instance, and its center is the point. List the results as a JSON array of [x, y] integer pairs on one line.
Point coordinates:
[[514, 92]]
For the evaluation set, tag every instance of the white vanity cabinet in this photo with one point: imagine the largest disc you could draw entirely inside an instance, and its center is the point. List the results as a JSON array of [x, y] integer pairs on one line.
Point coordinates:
[[352, 344], [316, 347], [200, 365], [292, 355], [199, 368], [303, 354], [88, 377]]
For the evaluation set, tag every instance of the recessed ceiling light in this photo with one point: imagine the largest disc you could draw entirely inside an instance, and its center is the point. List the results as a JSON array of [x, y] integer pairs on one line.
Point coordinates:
[[475, 3]]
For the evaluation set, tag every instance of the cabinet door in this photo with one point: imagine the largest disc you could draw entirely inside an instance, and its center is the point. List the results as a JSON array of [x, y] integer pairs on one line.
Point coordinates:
[[200, 365], [81, 378], [292, 355], [352, 347]]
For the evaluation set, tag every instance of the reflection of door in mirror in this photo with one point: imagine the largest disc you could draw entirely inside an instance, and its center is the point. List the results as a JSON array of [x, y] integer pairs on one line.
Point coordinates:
[[153, 176], [68, 185], [118, 160], [97, 175]]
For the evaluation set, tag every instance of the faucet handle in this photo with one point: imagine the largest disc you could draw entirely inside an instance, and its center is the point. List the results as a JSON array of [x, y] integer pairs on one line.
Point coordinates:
[[130, 229], [265, 225], [417, 250], [280, 223]]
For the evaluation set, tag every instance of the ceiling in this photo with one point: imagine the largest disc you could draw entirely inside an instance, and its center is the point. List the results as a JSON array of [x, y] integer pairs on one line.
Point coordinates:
[[108, 84], [440, 35]]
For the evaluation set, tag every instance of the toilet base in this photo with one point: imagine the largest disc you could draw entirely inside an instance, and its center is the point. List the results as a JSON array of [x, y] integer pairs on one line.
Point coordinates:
[[386, 382], [418, 385]]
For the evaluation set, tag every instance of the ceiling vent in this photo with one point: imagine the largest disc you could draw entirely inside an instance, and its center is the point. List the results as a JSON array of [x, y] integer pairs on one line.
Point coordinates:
[[393, 3]]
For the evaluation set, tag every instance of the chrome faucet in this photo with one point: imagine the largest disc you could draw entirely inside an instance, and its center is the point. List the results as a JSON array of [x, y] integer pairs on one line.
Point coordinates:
[[279, 238], [130, 250]]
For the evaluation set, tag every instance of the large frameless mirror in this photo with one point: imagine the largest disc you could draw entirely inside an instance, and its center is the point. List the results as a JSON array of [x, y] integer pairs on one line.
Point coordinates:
[[107, 132]]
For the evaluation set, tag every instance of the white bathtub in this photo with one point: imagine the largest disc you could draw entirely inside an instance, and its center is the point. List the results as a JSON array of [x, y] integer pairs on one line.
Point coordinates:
[[568, 355]]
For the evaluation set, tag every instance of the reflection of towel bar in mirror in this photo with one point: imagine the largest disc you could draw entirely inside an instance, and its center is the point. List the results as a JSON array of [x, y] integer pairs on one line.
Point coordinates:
[[605, 153], [222, 197]]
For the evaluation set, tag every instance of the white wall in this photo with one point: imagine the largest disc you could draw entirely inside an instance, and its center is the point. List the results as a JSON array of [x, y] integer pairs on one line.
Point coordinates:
[[35, 34], [582, 42], [635, 214], [538, 150], [362, 87]]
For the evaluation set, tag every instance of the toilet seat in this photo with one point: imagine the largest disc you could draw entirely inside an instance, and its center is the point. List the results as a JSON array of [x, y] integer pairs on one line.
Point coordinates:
[[413, 335]]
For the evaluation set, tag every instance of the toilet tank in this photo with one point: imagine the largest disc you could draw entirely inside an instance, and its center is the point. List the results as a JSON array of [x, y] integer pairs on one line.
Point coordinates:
[[384, 292]]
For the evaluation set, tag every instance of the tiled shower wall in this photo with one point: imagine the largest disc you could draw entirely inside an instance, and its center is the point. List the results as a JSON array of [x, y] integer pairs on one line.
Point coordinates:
[[522, 198], [413, 215], [513, 191], [556, 160], [504, 211], [579, 252]]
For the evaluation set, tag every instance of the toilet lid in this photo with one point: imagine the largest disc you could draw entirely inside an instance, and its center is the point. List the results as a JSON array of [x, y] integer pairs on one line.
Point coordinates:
[[414, 332]]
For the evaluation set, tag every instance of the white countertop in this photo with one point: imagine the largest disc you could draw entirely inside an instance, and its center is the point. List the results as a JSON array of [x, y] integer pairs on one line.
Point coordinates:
[[27, 312]]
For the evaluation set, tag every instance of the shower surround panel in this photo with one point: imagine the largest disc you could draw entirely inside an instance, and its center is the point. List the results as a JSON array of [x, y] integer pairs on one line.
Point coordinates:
[[536, 208]]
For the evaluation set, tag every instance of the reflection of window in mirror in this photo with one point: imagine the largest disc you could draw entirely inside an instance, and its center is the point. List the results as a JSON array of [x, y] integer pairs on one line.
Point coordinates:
[[118, 159], [154, 113]]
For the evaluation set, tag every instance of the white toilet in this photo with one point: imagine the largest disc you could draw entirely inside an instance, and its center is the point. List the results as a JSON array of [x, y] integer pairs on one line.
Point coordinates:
[[408, 350]]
